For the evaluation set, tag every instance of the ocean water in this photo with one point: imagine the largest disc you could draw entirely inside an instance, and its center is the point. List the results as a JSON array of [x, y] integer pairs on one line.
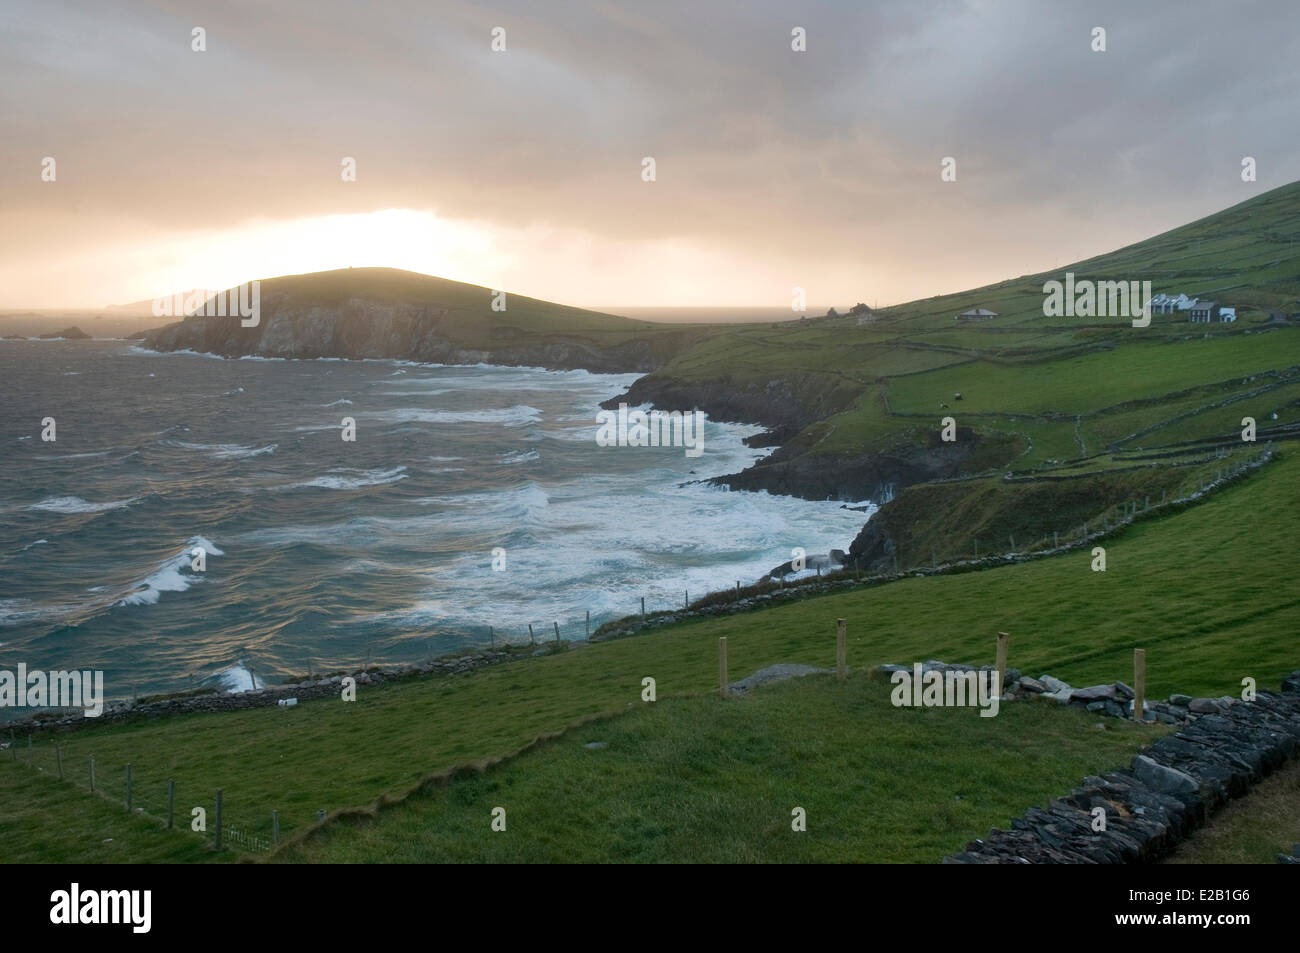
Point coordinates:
[[326, 553]]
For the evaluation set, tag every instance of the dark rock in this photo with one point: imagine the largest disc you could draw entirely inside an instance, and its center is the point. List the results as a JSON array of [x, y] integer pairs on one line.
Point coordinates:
[[1093, 693], [1161, 779]]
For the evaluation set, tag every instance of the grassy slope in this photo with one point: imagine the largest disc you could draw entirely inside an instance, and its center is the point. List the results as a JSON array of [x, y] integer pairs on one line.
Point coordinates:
[[1024, 373], [703, 780], [1198, 589], [470, 321]]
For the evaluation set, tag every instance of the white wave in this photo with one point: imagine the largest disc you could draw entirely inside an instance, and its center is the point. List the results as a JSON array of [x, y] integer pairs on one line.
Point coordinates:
[[341, 402], [138, 350], [75, 504], [517, 415], [237, 678], [171, 575], [224, 451], [520, 456], [340, 480], [39, 542]]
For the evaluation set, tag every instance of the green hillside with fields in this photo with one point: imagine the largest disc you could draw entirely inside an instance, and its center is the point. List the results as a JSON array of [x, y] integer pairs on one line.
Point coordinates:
[[1061, 423]]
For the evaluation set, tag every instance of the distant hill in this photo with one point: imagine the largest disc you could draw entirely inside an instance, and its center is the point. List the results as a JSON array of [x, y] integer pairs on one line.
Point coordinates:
[[67, 334], [390, 313]]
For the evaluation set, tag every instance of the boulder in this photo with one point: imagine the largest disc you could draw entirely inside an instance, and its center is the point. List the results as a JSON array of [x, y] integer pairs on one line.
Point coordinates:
[[1161, 779], [1093, 693]]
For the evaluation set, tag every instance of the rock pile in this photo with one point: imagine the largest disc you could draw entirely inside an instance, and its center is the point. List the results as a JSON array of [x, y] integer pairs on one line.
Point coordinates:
[[1114, 700]]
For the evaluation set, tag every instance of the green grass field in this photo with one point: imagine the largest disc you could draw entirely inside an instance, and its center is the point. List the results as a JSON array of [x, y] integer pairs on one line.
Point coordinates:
[[703, 780]]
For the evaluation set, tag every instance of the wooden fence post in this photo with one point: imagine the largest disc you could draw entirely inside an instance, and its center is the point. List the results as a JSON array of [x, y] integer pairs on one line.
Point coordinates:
[[643, 607], [722, 666], [1003, 639], [841, 648], [557, 632], [492, 638], [587, 631], [275, 828], [531, 639], [1139, 683]]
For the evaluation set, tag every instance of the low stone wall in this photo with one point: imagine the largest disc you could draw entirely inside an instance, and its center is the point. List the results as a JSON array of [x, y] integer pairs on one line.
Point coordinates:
[[1167, 791], [271, 695]]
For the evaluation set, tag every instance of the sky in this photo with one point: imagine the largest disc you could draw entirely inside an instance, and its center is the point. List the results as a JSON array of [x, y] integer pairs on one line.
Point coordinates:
[[523, 169]]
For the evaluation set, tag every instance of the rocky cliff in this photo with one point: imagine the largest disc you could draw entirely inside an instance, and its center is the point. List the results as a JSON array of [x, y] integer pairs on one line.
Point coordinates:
[[360, 328]]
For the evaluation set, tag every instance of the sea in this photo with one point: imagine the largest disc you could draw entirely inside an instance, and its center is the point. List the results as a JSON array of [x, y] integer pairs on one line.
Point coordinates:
[[201, 522]]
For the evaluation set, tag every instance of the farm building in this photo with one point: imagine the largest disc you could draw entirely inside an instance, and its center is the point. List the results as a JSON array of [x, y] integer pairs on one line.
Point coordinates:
[[975, 314]]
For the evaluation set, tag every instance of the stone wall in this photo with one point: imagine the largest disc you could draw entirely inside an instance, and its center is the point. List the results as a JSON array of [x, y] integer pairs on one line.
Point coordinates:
[[1166, 792]]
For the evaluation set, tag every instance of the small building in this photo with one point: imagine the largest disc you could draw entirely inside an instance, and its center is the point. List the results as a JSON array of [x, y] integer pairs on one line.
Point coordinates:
[[1161, 304], [1203, 312], [1228, 315], [975, 314], [1168, 304]]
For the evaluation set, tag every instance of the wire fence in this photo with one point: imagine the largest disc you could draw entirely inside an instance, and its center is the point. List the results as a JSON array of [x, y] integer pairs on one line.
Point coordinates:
[[144, 793]]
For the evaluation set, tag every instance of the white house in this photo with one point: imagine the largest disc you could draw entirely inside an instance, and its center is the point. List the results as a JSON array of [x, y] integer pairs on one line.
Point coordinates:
[[1227, 315]]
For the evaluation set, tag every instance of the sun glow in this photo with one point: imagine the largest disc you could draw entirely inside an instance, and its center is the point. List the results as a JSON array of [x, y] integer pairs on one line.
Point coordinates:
[[392, 238]]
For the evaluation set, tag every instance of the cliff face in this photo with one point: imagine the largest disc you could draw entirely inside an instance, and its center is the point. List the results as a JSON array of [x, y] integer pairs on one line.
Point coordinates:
[[869, 476], [361, 328]]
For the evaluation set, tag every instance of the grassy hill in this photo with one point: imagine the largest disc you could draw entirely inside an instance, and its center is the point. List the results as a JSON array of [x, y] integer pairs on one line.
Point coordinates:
[[389, 313]]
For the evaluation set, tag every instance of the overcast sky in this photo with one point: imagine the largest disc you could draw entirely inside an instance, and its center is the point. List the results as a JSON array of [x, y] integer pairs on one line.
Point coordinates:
[[522, 169]]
